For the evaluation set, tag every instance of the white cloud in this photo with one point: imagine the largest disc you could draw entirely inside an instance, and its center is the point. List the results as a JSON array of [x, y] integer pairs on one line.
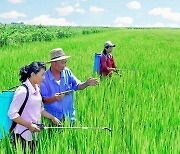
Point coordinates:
[[46, 20], [134, 5], [166, 13], [15, 1], [81, 11], [64, 11], [12, 15], [123, 21], [95, 9]]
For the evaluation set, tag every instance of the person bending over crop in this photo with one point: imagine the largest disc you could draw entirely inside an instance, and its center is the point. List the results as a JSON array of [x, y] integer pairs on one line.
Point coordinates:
[[31, 75], [58, 86], [107, 64]]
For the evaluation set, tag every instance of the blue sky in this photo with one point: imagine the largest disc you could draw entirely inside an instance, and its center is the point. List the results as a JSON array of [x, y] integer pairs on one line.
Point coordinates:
[[114, 13]]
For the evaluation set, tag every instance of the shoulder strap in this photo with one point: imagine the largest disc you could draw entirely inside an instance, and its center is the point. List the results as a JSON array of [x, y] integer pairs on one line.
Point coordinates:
[[22, 107], [25, 101]]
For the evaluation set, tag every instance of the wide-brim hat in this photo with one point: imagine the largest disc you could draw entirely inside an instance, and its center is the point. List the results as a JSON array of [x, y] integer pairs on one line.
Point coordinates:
[[109, 44], [57, 54]]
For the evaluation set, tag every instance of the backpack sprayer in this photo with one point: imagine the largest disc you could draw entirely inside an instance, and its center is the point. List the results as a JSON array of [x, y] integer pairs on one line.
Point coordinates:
[[42, 127], [96, 67]]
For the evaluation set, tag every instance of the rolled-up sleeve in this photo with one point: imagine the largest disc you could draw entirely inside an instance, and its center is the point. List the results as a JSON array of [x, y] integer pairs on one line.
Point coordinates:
[[17, 102]]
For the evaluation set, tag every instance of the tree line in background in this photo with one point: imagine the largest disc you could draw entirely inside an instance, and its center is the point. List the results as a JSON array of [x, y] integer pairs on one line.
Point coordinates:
[[19, 33]]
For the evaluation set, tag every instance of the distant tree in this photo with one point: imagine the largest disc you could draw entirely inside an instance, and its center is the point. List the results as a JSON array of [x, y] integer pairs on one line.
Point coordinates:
[[17, 23]]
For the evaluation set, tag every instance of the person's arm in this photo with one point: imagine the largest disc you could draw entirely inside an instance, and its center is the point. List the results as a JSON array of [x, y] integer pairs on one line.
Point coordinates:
[[56, 97], [89, 82], [15, 106], [45, 94], [111, 69], [30, 126], [104, 66], [51, 117]]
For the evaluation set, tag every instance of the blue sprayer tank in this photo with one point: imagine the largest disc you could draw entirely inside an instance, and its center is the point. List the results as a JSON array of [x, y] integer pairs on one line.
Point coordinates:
[[5, 101], [97, 58]]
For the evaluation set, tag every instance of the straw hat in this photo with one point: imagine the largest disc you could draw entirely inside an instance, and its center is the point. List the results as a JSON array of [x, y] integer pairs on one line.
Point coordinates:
[[57, 54]]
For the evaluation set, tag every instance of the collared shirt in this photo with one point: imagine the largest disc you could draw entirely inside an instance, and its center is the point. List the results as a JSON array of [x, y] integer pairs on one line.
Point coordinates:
[[105, 62], [32, 110], [49, 87]]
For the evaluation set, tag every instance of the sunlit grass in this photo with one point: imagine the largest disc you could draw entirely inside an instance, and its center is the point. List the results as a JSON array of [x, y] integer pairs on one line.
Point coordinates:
[[142, 107]]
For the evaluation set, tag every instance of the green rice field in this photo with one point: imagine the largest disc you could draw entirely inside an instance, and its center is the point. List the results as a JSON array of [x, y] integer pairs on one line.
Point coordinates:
[[142, 108]]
